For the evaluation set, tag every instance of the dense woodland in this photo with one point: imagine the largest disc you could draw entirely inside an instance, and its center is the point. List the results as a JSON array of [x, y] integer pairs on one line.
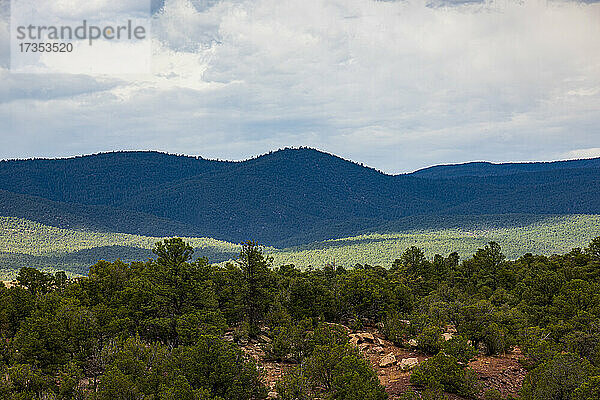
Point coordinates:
[[284, 198], [155, 329]]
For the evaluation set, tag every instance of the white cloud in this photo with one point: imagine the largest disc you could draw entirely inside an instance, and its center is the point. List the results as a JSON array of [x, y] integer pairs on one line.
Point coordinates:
[[82, 9], [46, 88], [583, 153], [397, 85]]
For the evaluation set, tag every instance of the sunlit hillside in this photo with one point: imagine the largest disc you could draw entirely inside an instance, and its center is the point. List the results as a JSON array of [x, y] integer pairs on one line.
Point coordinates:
[[27, 243]]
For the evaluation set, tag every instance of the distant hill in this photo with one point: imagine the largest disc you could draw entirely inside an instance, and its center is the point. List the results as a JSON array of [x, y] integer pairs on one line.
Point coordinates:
[[89, 217], [100, 179], [25, 243], [482, 169], [516, 234], [287, 197]]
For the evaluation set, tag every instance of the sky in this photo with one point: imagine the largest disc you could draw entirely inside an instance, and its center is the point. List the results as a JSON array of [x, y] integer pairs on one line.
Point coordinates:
[[396, 85]]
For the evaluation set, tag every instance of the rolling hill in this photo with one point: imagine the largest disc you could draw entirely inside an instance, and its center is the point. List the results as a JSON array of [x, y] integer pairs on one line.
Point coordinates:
[[89, 217], [27, 243], [284, 198], [482, 169]]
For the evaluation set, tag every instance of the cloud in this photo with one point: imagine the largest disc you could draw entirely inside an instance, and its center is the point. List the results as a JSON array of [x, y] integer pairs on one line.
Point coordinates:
[[45, 88], [583, 153], [397, 85], [79, 9]]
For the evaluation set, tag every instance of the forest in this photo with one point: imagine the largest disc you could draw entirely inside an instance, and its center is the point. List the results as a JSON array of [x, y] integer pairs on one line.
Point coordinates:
[[289, 197], [51, 249], [177, 327]]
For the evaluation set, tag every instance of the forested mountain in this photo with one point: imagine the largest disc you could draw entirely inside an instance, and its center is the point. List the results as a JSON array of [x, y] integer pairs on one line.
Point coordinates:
[[89, 217], [490, 169], [105, 179], [291, 196]]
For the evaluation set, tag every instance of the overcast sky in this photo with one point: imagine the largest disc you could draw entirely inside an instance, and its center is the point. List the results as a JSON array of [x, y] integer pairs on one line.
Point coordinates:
[[397, 85]]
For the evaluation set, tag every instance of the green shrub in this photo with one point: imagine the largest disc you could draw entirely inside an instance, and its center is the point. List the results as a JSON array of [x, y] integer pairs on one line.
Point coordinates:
[[296, 341], [332, 370], [492, 394], [589, 390], [181, 389], [22, 381], [430, 340], [289, 342], [444, 371], [219, 367], [557, 378], [354, 379], [278, 316], [308, 298], [494, 340], [356, 324], [281, 344], [190, 326], [241, 333], [70, 377], [537, 347], [327, 335], [430, 393], [210, 368], [410, 395], [473, 320], [459, 348], [294, 386], [496, 330], [587, 345], [363, 293], [437, 311], [395, 329]]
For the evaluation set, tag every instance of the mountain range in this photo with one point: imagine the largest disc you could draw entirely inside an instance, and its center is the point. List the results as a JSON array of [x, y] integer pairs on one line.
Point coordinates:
[[287, 197]]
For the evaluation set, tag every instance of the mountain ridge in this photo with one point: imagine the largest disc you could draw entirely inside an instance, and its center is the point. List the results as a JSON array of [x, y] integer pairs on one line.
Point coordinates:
[[420, 171], [485, 168], [292, 196]]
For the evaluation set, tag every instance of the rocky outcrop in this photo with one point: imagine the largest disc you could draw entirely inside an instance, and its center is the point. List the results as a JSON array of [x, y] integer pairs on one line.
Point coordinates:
[[408, 363], [387, 361]]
